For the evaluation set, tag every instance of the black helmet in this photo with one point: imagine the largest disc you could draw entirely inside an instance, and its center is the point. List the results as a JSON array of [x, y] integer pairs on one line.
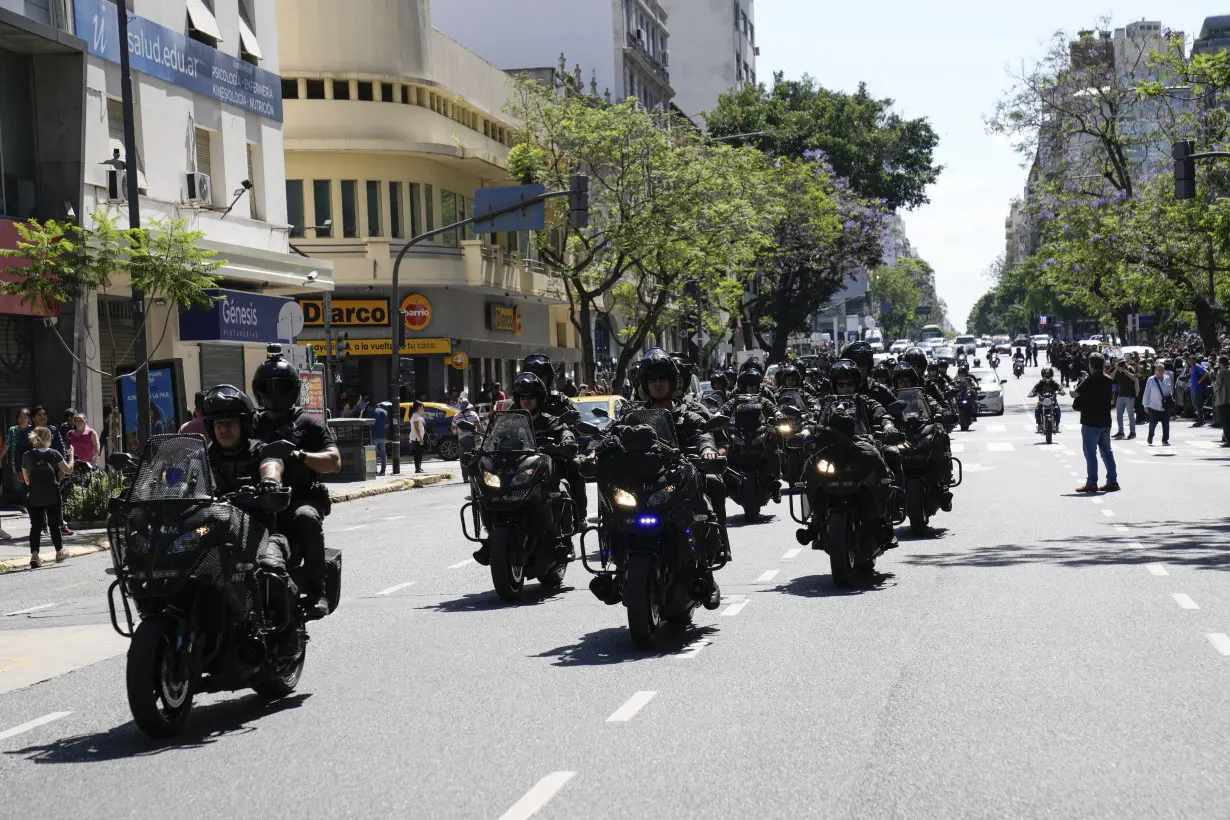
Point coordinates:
[[276, 384], [861, 354], [917, 359], [1047, 372], [843, 370], [880, 372], [634, 375], [904, 371], [540, 365], [228, 402], [529, 386], [963, 370], [719, 376], [752, 362], [749, 381], [685, 373], [786, 371], [656, 364]]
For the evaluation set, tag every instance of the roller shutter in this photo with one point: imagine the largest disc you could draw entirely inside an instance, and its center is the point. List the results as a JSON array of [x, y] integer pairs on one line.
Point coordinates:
[[16, 362], [115, 337], [222, 364]]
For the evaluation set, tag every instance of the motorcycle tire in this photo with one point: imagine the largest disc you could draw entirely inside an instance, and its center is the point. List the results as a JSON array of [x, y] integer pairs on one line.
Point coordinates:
[[751, 513], [916, 508], [841, 544], [160, 705], [1049, 434], [507, 572], [642, 597], [965, 425], [280, 684], [554, 577]]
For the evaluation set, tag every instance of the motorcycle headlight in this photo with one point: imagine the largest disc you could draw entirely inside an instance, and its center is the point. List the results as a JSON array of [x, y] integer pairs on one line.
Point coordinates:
[[826, 467], [491, 480], [185, 543], [524, 476], [661, 497], [623, 498], [785, 428]]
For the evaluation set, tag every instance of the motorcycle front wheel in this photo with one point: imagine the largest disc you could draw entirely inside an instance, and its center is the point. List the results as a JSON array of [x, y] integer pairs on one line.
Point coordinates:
[[642, 597], [159, 700], [507, 573], [915, 507], [842, 544], [1049, 431]]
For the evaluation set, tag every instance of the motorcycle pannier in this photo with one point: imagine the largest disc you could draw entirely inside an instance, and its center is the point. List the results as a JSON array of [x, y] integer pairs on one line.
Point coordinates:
[[333, 577]]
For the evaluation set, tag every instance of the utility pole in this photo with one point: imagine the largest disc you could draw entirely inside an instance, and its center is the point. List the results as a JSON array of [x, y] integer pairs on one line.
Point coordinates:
[[134, 221]]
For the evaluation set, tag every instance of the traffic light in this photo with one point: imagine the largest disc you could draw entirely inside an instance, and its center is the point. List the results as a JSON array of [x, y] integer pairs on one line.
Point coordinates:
[[343, 348], [578, 202], [1184, 169]]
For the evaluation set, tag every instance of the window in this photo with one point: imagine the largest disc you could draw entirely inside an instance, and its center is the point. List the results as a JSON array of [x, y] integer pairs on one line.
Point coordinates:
[[466, 214], [202, 26], [365, 91], [350, 208], [512, 238], [414, 209], [429, 206], [374, 222], [315, 89], [19, 143], [203, 163], [294, 206], [290, 89], [386, 92], [396, 229], [448, 215], [322, 206], [252, 149], [341, 89], [115, 136], [249, 48]]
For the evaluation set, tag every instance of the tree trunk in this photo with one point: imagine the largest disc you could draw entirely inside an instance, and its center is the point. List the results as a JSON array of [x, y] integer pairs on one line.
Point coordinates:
[[1206, 323], [582, 320]]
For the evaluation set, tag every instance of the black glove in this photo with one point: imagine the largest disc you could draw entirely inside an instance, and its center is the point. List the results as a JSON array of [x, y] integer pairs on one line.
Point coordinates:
[[268, 485]]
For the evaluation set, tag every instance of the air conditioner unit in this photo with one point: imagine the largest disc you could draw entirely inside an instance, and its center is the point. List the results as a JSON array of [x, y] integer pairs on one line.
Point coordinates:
[[666, 58], [757, 51], [200, 188], [117, 185]]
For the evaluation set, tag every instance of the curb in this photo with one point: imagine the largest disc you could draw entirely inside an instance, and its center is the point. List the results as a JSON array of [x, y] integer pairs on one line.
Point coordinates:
[[100, 543]]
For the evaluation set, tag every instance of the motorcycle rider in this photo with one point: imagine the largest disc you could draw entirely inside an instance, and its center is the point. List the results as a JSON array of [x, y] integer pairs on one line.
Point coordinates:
[[276, 388], [718, 384], [917, 359], [751, 383], [562, 408], [907, 376], [864, 359], [1045, 385]]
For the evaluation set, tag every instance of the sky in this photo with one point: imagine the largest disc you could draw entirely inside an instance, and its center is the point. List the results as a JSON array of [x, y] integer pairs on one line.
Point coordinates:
[[947, 61]]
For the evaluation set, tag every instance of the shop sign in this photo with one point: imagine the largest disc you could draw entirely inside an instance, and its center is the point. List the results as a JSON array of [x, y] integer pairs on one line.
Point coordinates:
[[417, 310], [459, 360], [239, 316], [384, 347], [505, 318], [312, 393], [347, 312]]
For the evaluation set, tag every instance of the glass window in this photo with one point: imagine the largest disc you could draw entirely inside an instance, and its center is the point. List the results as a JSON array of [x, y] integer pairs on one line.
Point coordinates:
[[365, 91], [315, 89], [415, 224], [386, 92], [429, 205], [396, 228], [341, 89], [350, 208], [448, 215], [512, 242], [290, 89], [373, 209], [322, 206], [18, 151], [294, 206]]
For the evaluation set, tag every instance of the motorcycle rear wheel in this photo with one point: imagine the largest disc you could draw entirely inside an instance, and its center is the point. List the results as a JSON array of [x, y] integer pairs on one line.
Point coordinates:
[[641, 596], [280, 684], [841, 543], [160, 704], [916, 508], [553, 578], [507, 573]]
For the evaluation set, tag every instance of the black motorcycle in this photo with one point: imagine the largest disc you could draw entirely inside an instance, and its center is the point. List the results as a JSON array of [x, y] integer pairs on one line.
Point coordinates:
[[655, 530], [922, 491], [1046, 403], [966, 405], [1018, 367], [211, 619], [526, 512], [841, 500], [752, 453], [790, 423]]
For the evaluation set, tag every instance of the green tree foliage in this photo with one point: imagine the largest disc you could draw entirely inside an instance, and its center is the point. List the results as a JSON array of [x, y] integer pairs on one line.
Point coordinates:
[[894, 295]]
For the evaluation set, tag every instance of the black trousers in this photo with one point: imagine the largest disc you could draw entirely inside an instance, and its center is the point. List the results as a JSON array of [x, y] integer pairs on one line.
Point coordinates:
[[51, 516], [418, 456], [304, 527]]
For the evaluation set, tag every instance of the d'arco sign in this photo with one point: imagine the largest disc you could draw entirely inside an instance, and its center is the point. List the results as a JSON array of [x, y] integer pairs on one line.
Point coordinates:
[[347, 312]]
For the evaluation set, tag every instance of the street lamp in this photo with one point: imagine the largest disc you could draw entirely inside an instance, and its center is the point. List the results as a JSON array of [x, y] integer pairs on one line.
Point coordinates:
[[246, 185]]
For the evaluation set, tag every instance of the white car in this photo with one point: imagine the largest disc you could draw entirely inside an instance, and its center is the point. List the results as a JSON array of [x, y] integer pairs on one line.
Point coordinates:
[[1041, 340], [900, 346], [990, 392], [967, 343]]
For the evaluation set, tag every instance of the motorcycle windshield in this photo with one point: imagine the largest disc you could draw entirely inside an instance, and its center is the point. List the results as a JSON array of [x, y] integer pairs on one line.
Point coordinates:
[[661, 421], [790, 398], [749, 412], [914, 404], [510, 430], [173, 468]]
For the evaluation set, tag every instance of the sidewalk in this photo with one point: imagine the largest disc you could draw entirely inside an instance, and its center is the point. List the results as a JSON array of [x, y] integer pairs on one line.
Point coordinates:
[[15, 525]]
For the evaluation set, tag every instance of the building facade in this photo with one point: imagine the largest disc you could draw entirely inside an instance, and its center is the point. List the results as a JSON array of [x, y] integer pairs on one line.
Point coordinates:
[[714, 51], [390, 131], [622, 46]]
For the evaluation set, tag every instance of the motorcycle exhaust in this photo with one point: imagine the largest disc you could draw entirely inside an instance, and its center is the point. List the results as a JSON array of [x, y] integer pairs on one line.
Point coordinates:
[[251, 651]]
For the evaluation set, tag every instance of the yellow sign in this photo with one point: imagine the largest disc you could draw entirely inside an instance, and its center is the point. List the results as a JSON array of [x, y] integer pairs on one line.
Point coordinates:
[[347, 312], [417, 311], [459, 360], [504, 317], [384, 347]]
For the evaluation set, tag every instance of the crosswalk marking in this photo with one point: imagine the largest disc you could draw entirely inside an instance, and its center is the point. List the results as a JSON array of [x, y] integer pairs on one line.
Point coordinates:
[[1000, 446], [997, 428], [958, 447]]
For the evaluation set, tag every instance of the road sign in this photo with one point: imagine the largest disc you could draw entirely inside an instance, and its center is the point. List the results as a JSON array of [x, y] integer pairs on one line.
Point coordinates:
[[851, 324], [869, 322], [817, 338], [530, 218], [1042, 320], [922, 310], [1144, 321]]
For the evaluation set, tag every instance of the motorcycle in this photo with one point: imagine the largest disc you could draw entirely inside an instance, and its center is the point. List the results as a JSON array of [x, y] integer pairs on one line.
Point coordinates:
[[1018, 367], [788, 423], [922, 492], [655, 529], [840, 499], [967, 406], [186, 558], [752, 454], [529, 525], [1047, 402]]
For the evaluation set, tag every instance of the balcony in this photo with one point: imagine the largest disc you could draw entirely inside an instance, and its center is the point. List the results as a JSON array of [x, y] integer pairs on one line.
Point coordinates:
[[489, 267]]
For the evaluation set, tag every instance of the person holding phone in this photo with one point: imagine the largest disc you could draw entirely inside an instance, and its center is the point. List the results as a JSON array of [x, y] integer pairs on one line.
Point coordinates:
[[1125, 382]]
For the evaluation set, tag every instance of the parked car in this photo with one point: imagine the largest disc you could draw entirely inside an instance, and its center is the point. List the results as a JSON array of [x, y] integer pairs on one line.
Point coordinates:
[[1041, 340], [586, 406], [440, 438]]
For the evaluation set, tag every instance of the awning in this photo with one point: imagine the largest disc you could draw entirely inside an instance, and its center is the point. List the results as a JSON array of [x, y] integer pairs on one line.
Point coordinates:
[[248, 42], [202, 19]]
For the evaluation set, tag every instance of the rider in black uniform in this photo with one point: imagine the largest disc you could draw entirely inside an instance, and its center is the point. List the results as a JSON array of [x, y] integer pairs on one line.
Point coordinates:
[[562, 408]]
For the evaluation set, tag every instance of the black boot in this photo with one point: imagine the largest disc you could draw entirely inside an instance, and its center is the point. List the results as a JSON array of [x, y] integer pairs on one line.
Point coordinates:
[[946, 501], [483, 554], [564, 551], [715, 595], [316, 603]]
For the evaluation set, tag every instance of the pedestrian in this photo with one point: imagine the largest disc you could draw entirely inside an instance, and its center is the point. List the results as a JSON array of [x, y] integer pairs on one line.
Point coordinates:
[[380, 433], [418, 434], [1221, 395], [84, 442], [42, 468], [66, 426], [10, 450], [484, 393], [195, 425], [361, 406], [1093, 402], [1125, 381], [497, 393], [1199, 378], [454, 397], [1159, 401]]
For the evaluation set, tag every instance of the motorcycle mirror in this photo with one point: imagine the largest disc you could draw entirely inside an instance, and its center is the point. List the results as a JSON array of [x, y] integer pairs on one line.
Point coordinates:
[[790, 411], [587, 428], [467, 426], [601, 412], [121, 461], [278, 449], [1003, 381], [718, 422]]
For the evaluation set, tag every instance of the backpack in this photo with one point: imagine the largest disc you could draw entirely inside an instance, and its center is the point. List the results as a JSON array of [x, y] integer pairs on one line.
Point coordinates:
[[44, 480]]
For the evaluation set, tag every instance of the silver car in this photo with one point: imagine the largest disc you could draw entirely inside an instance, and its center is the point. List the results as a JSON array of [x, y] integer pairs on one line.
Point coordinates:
[[990, 392]]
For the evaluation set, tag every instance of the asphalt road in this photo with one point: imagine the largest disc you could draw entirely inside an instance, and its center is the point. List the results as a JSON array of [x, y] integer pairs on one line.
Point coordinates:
[[1042, 654]]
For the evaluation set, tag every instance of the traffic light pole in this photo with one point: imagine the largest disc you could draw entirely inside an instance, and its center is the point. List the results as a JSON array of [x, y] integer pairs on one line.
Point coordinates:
[[1185, 157]]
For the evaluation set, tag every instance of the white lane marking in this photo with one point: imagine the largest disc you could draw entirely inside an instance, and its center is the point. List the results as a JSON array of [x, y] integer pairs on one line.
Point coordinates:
[[997, 428], [1220, 642], [29, 609], [1202, 445], [538, 796], [766, 576], [461, 564], [693, 649], [1000, 447], [792, 554], [1108, 513], [396, 517], [734, 609], [1184, 601], [32, 724], [355, 527], [1098, 501], [633, 705], [1121, 528], [1157, 569], [391, 590], [957, 446]]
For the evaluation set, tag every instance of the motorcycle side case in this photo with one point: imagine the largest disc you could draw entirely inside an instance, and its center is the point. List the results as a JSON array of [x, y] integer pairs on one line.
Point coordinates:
[[333, 577]]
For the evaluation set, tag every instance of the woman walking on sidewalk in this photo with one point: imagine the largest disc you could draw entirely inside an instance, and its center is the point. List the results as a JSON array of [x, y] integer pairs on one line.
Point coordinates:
[[42, 469], [418, 434]]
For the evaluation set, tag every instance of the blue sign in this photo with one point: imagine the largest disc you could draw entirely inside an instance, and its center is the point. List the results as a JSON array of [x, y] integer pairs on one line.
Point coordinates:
[[169, 55], [249, 318], [1146, 320], [163, 419], [531, 218]]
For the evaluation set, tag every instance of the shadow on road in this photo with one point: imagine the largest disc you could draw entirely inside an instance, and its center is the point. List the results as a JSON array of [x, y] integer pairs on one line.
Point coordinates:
[[734, 522], [822, 586], [533, 594], [614, 645], [904, 533], [1196, 544], [207, 724]]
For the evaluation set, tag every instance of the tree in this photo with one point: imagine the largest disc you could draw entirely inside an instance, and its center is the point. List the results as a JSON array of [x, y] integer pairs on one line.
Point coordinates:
[[895, 295]]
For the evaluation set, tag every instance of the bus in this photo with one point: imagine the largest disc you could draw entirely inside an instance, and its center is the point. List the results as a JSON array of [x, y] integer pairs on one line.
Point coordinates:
[[931, 332]]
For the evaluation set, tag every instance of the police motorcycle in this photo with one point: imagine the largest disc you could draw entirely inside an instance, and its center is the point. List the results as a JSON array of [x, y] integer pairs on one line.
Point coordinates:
[[752, 450], [186, 558], [923, 493], [966, 403], [789, 423], [1018, 366]]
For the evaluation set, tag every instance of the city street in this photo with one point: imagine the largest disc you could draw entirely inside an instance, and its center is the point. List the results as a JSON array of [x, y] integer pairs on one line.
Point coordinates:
[[1042, 654]]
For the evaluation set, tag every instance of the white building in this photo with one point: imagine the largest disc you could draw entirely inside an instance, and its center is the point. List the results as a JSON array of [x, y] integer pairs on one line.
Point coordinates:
[[622, 46], [713, 51]]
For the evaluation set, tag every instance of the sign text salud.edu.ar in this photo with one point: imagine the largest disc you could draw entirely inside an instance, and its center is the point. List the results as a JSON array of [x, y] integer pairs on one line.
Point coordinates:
[[171, 56]]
